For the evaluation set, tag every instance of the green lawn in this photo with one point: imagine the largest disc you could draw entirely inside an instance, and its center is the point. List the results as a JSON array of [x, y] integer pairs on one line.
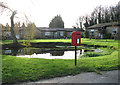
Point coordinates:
[[101, 42], [26, 69], [38, 40]]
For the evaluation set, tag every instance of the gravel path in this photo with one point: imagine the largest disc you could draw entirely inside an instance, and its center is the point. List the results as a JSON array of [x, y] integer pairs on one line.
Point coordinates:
[[87, 77]]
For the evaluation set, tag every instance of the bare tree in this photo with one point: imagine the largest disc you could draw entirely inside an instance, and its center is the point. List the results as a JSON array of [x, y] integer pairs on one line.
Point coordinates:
[[14, 12], [81, 19], [86, 19]]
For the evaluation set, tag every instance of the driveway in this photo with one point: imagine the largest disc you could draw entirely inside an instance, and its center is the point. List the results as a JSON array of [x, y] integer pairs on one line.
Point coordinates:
[[87, 77]]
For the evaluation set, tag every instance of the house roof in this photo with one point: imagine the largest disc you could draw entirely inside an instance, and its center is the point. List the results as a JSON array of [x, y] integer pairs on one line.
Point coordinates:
[[51, 29], [57, 29], [104, 25]]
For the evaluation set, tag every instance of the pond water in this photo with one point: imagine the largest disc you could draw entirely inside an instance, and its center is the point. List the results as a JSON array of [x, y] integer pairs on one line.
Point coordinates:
[[54, 55], [48, 50], [46, 53]]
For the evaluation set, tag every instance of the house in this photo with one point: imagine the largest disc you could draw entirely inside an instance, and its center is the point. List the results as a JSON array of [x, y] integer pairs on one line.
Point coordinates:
[[55, 33], [100, 30], [4, 32]]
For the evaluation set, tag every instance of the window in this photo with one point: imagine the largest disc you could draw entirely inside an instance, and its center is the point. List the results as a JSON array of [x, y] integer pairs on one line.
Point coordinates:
[[8, 51], [55, 33], [114, 30], [47, 33], [70, 33], [21, 33], [92, 32], [5, 33], [99, 34], [17, 36], [61, 33]]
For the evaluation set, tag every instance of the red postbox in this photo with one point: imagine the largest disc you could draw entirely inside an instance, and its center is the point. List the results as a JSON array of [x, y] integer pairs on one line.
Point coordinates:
[[76, 38]]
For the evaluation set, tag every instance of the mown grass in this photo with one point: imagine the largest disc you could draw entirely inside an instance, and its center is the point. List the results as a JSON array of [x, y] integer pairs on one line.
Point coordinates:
[[38, 40], [101, 42], [31, 69], [27, 69]]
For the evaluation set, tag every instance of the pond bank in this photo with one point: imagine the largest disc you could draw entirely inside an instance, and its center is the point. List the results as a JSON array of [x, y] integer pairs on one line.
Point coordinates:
[[45, 45], [36, 45]]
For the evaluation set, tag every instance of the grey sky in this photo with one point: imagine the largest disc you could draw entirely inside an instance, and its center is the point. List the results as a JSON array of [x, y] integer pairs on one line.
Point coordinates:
[[42, 11]]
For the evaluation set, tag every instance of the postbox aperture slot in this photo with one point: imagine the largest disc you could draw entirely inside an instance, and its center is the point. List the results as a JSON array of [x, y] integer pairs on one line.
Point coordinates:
[[77, 34]]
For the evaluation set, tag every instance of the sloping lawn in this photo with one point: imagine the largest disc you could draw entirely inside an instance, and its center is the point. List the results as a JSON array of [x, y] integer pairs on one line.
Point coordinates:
[[31, 69]]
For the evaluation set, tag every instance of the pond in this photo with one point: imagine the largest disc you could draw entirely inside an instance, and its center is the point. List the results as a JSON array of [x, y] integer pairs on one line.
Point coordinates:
[[46, 50], [47, 53]]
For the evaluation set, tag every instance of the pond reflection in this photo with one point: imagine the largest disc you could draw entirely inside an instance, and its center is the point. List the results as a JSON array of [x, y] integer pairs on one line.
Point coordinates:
[[46, 53], [66, 55], [57, 53]]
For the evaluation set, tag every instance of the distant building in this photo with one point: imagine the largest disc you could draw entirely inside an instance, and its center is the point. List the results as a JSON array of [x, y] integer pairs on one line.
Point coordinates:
[[45, 33], [99, 30], [4, 32], [55, 33]]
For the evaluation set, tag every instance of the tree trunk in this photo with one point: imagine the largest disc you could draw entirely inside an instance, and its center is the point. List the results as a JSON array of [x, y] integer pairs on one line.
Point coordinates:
[[12, 29], [81, 25]]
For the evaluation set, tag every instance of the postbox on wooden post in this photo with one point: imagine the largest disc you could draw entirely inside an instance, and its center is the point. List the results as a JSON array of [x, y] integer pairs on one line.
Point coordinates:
[[76, 41]]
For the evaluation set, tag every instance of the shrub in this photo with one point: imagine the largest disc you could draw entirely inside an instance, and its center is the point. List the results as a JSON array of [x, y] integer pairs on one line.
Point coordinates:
[[81, 36], [92, 54], [86, 34], [107, 36]]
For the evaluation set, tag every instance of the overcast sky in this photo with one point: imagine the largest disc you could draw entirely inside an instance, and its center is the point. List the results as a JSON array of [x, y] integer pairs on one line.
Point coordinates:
[[42, 11]]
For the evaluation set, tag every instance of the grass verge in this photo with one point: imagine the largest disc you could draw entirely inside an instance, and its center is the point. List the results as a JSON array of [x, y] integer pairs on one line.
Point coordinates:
[[31, 69], [27, 69]]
